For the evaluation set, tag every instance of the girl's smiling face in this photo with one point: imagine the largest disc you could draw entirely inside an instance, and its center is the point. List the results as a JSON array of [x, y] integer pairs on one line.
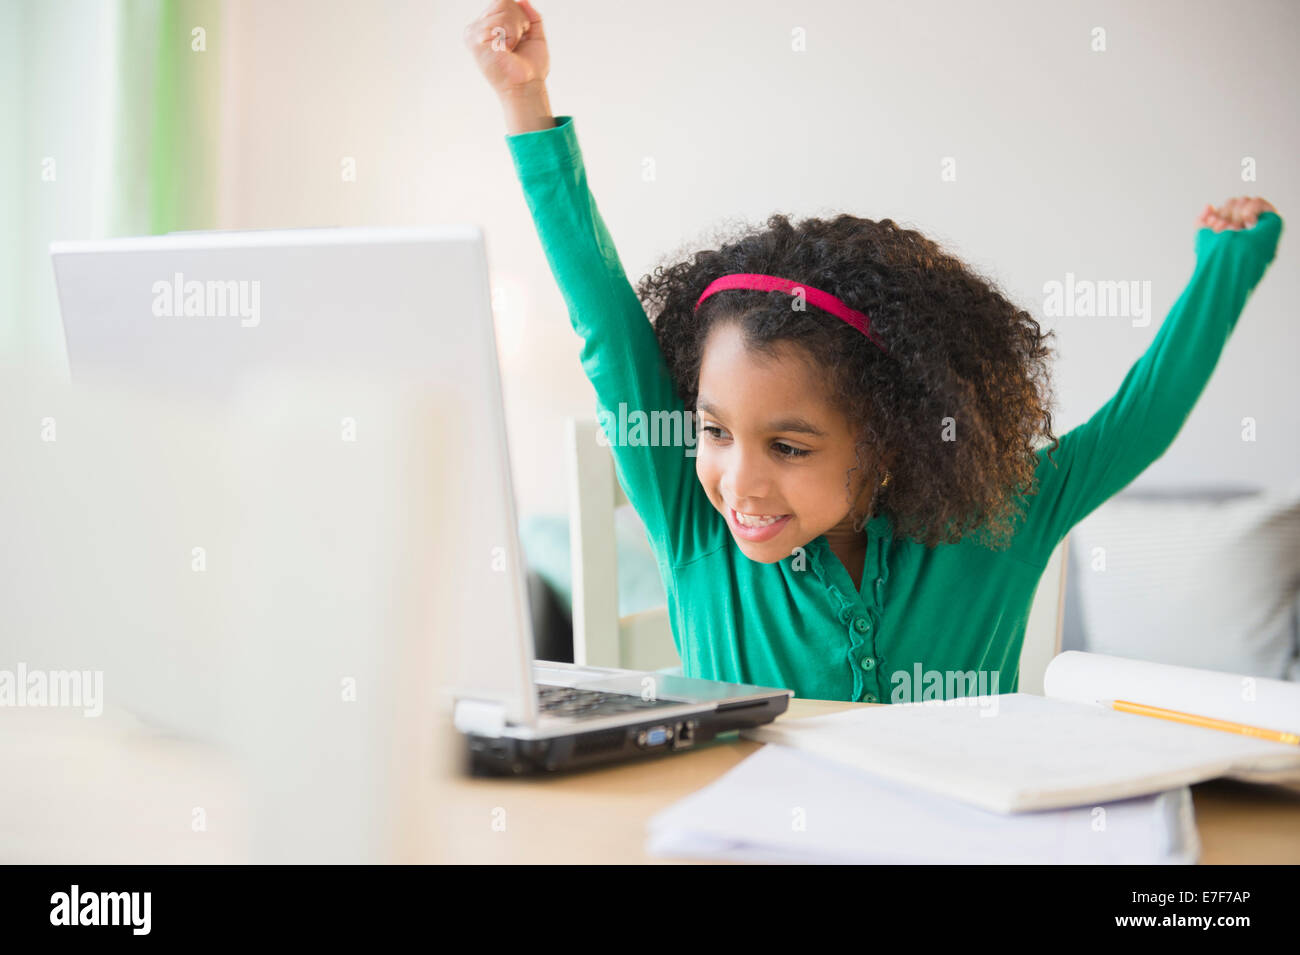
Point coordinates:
[[770, 443]]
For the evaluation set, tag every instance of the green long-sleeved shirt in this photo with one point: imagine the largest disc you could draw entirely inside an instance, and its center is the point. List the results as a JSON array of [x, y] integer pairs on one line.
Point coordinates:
[[948, 613]]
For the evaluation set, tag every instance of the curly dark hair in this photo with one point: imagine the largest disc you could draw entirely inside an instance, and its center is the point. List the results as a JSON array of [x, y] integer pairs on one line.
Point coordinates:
[[958, 348]]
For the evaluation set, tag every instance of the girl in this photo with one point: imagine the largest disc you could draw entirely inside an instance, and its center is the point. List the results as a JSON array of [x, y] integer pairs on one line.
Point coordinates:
[[869, 510]]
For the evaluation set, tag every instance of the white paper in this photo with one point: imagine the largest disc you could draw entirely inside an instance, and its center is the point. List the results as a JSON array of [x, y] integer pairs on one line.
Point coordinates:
[[1015, 752], [1255, 701], [786, 805]]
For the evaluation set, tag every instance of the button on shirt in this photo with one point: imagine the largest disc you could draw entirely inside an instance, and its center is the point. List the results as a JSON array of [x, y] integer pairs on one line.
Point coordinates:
[[955, 609]]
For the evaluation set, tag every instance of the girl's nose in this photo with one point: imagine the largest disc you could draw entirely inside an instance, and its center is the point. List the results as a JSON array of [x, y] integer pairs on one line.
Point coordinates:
[[746, 481]]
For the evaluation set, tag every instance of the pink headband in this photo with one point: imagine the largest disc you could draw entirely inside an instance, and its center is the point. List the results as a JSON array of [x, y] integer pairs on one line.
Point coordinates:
[[770, 283]]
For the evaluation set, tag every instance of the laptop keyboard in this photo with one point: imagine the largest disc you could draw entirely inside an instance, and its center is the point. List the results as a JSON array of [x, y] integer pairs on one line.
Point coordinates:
[[571, 701]]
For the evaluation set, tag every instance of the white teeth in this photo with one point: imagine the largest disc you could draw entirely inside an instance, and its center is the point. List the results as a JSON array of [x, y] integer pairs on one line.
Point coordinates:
[[755, 521]]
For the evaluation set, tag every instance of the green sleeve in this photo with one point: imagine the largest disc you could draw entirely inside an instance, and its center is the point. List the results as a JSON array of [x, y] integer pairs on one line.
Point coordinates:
[[620, 354], [1099, 458]]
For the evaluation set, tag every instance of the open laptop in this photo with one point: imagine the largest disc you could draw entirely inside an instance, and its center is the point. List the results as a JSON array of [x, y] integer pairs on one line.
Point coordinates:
[[198, 314]]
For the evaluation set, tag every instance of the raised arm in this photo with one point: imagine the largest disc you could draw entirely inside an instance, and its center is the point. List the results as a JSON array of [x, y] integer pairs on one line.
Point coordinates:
[[644, 418], [1099, 458]]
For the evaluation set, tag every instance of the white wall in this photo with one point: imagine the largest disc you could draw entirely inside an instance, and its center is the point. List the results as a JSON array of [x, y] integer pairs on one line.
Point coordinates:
[[1068, 160], [11, 162]]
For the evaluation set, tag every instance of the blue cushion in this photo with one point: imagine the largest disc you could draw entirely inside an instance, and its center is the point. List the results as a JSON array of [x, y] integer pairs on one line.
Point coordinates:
[[545, 540]]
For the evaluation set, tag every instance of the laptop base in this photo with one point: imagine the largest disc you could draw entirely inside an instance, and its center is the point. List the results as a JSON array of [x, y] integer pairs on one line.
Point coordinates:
[[510, 756]]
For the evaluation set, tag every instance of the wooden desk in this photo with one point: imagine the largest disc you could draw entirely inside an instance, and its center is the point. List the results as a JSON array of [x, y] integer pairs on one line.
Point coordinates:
[[599, 816], [82, 791]]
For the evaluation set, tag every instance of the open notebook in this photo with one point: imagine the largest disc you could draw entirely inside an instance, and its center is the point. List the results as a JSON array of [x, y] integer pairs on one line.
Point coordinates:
[[1016, 752]]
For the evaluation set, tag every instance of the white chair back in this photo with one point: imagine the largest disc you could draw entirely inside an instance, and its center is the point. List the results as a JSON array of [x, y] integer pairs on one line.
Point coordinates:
[[1046, 620], [640, 641]]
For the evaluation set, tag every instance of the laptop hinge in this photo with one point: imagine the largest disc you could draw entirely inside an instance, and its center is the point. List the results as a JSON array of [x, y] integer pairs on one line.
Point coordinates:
[[481, 717]]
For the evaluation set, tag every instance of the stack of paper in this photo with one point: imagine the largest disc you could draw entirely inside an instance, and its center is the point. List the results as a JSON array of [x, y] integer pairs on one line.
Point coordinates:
[[788, 805]]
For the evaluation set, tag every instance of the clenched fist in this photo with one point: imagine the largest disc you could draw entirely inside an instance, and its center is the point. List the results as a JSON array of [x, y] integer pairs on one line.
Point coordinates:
[[509, 46], [1239, 213]]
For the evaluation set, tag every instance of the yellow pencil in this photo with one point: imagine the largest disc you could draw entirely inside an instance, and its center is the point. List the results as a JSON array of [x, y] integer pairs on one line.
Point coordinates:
[[1277, 736]]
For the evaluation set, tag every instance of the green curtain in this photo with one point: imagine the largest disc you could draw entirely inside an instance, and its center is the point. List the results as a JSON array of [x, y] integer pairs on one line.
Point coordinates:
[[168, 116], [121, 99]]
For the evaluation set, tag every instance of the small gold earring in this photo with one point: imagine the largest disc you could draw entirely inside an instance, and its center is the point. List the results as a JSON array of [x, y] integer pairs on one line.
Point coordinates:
[[885, 482]]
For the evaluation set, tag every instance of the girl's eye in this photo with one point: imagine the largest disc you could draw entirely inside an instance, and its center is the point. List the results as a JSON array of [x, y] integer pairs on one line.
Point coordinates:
[[788, 451]]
